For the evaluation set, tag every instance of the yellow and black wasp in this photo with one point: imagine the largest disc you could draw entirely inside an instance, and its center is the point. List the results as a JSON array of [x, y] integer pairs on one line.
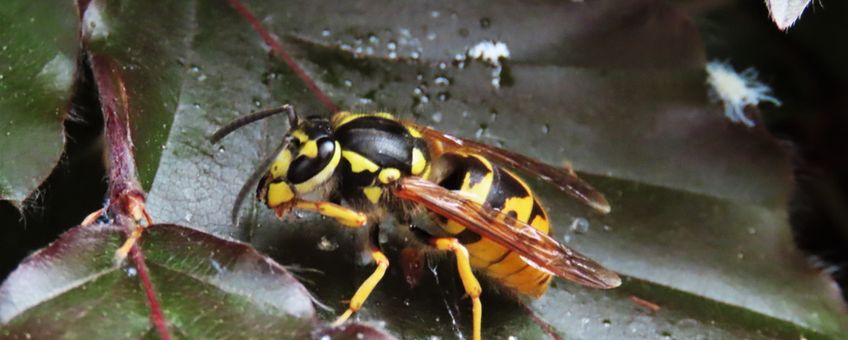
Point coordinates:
[[380, 166]]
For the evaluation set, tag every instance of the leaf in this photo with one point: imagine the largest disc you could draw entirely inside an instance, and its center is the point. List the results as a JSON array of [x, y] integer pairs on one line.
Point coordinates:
[[37, 68], [698, 222], [214, 288], [785, 13]]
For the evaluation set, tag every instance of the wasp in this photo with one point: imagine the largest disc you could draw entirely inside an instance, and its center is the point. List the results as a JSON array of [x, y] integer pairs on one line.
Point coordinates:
[[361, 168]]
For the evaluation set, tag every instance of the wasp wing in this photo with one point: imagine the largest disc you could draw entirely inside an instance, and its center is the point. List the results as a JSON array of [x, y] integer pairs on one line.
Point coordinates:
[[563, 178], [536, 248]]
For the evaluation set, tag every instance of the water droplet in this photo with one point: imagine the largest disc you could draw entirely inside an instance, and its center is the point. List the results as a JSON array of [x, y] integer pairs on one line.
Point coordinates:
[[485, 23], [546, 128], [132, 272], [436, 117], [221, 149], [392, 55], [326, 245], [406, 302], [373, 39], [326, 33], [480, 131], [195, 68], [419, 77], [392, 45], [512, 337], [2, 76], [437, 319], [435, 14], [431, 36], [566, 238], [348, 83], [740, 256], [8, 133], [359, 335], [414, 55], [418, 91], [441, 81], [580, 225], [443, 65], [188, 217], [493, 116], [607, 322], [607, 228]]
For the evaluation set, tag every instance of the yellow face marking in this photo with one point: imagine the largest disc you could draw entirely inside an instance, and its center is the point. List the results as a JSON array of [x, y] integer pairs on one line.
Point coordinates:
[[300, 135], [322, 176], [279, 193], [418, 162], [344, 117], [388, 175], [281, 165], [358, 163], [373, 194], [310, 149]]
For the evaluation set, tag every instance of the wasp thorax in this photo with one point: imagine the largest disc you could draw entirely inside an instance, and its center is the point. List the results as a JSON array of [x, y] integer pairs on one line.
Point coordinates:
[[306, 164]]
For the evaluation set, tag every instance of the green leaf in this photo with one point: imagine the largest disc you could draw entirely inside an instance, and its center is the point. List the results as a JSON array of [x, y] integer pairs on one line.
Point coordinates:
[[207, 286], [698, 225], [38, 52]]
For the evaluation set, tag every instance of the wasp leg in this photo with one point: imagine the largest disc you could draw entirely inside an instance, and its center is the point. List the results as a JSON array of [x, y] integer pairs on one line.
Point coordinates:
[[137, 212], [347, 217], [92, 217], [469, 282], [368, 286]]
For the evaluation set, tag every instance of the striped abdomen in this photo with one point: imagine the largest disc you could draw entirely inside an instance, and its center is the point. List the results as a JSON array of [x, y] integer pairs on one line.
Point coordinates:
[[499, 189]]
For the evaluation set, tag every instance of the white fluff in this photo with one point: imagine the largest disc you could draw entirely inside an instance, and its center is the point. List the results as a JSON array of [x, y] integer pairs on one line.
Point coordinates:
[[737, 90]]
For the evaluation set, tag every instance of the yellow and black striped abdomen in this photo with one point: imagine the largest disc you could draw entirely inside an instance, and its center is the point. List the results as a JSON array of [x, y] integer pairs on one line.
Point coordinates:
[[499, 189]]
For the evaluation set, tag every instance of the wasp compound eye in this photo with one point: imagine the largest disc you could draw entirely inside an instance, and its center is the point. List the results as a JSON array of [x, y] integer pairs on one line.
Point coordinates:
[[314, 156]]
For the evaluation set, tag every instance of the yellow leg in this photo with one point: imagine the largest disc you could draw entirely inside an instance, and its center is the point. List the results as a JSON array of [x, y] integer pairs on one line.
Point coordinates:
[[92, 217], [365, 289], [469, 282], [122, 252], [347, 217], [138, 212]]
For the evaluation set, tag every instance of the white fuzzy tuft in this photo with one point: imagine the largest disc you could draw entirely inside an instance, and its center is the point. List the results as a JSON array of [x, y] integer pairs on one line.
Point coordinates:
[[737, 90], [492, 53]]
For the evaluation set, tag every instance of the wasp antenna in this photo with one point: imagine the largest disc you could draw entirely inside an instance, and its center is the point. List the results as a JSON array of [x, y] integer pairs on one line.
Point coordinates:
[[294, 119], [253, 180], [250, 118]]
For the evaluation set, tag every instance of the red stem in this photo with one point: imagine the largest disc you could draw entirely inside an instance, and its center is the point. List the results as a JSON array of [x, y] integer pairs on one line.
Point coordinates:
[[156, 315], [280, 52], [125, 193]]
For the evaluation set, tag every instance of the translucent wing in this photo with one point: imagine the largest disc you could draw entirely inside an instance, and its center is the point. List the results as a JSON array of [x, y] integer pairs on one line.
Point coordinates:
[[537, 248], [563, 178]]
